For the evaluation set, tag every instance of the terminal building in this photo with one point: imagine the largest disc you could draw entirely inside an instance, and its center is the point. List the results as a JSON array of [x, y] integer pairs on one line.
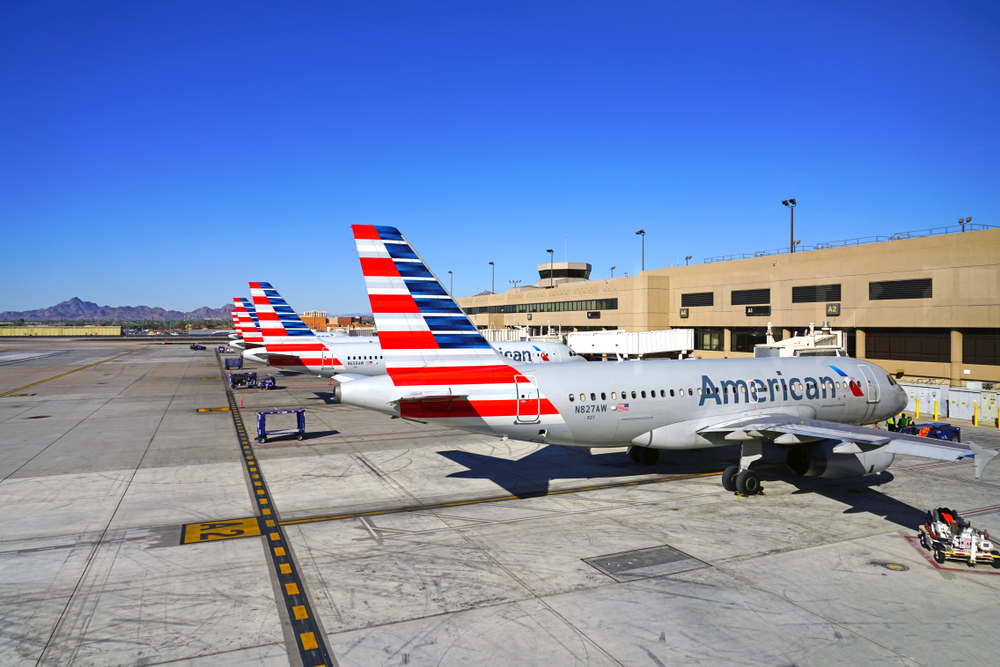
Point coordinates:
[[925, 304]]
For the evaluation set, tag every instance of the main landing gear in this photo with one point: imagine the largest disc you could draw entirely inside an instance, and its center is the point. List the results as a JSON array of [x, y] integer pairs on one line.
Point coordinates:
[[646, 455], [741, 479]]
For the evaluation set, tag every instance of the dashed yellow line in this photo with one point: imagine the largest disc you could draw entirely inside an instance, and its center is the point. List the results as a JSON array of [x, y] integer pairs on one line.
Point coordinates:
[[75, 370]]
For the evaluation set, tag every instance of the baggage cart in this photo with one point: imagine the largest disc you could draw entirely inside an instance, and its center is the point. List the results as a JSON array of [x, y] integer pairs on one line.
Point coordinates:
[[298, 431]]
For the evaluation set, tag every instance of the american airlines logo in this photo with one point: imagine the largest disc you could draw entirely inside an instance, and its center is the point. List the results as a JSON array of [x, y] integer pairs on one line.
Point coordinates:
[[773, 389]]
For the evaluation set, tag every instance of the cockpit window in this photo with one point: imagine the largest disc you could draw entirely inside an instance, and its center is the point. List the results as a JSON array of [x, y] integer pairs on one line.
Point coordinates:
[[891, 380]]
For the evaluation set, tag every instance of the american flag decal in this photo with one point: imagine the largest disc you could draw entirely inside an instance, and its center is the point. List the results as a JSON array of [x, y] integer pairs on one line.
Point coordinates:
[[623, 407]]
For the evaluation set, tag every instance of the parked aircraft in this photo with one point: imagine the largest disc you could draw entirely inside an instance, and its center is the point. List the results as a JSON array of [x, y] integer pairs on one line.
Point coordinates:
[[442, 371], [289, 343], [245, 318]]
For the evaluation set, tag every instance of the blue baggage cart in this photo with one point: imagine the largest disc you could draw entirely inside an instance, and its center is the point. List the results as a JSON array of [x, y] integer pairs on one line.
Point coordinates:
[[300, 421], [235, 362]]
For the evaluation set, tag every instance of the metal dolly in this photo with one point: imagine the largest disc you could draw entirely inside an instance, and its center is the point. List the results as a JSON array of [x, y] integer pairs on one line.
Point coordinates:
[[300, 420]]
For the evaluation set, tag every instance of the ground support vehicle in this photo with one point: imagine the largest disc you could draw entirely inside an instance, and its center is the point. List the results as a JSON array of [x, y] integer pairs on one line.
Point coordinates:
[[265, 383], [242, 380], [937, 430], [300, 421], [195, 346], [222, 349], [235, 362], [950, 537]]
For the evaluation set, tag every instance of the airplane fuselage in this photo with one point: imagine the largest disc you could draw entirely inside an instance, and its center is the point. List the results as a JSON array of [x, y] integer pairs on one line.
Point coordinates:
[[658, 404]]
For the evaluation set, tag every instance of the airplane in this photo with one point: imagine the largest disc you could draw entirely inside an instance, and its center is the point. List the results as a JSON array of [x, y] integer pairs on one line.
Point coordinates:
[[245, 318], [440, 370], [289, 343]]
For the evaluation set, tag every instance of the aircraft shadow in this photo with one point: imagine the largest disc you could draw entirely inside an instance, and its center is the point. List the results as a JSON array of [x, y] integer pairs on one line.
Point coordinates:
[[531, 475]]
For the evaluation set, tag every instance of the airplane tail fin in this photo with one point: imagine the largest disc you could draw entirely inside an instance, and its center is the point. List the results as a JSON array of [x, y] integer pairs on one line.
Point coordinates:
[[419, 324], [276, 319], [245, 323]]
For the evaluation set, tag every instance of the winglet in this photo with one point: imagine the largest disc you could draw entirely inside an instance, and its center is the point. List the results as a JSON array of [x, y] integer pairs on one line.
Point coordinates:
[[983, 457]]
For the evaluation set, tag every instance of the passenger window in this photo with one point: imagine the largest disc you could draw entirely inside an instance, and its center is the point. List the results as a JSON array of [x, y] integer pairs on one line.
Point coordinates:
[[681, 391], [583, 397], [691, 391], [663, 393], [614, 396], [699, 392], [593, 397], [633, 394], [671, 393], [644, 394], [604, 396], [572, 398]]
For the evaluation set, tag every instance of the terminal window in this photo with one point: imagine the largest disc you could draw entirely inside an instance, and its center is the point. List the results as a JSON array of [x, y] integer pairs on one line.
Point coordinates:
[[815, 293], [697, 299], [920, 288], [744, 338], [708, 339], [981, 348], [907, 345], [751, 297]]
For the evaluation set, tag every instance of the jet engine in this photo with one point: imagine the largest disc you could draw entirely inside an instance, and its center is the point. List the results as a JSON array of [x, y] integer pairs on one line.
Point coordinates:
[[374, 393], [819, 460]]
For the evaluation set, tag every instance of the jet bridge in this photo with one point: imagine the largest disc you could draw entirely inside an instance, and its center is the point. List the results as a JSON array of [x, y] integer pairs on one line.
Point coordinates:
[[823, 343], [624, 344]]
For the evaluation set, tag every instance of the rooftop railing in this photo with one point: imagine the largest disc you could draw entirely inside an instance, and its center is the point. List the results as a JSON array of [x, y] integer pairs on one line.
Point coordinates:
[[864, 240]]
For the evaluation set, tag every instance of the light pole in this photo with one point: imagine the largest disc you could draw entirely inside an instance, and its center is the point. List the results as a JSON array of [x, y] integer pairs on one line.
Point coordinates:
[[451, 287], [642, 233], [613, 271], [790, 203], [514, 283], [962, 222], [686, 259], [493, 280], [550, 251]]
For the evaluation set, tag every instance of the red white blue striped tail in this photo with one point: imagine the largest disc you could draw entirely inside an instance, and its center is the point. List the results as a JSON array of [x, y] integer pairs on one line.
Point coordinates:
[[419, 324], [277, 321], [245, 325]]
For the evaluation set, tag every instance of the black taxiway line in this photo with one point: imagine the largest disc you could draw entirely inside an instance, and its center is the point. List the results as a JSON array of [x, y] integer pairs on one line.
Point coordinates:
[[308, 637]]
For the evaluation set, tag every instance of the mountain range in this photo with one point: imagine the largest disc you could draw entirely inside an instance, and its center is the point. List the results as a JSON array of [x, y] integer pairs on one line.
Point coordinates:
[[78, 310]]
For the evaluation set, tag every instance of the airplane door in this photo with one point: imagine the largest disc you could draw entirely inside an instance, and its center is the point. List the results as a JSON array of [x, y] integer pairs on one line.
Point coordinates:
[[527, 399], [871, 389], [873, 394]]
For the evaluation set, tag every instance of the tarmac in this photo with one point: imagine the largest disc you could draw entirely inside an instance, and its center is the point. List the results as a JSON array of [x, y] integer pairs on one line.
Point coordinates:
[[133, 531]]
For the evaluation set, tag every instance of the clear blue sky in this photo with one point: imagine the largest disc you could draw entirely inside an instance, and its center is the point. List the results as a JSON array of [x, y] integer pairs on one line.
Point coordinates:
[[165, 153]]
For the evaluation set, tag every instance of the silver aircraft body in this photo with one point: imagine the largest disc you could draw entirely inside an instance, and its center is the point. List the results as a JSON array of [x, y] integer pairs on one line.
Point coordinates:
[[441, 370]]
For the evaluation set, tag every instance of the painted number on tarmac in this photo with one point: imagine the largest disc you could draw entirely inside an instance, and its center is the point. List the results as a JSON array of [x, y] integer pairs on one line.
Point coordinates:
[[220, 530]]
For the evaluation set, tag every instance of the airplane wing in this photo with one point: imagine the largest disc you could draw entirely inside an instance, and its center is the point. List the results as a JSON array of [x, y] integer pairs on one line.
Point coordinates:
[[788, 431]]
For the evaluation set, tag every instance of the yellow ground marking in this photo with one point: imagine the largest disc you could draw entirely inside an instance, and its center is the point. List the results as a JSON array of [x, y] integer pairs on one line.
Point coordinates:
[[256, 476], [220, 530], [262, 501], [285, 568], [308, 641], [292, 522], [218, 378], [292, 589], [75, 370], [269, 523], [260, 492], [279, 551], [213, 409], [300, 612], [253, 470], [275, 536], [257, 483], [265, 511]]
